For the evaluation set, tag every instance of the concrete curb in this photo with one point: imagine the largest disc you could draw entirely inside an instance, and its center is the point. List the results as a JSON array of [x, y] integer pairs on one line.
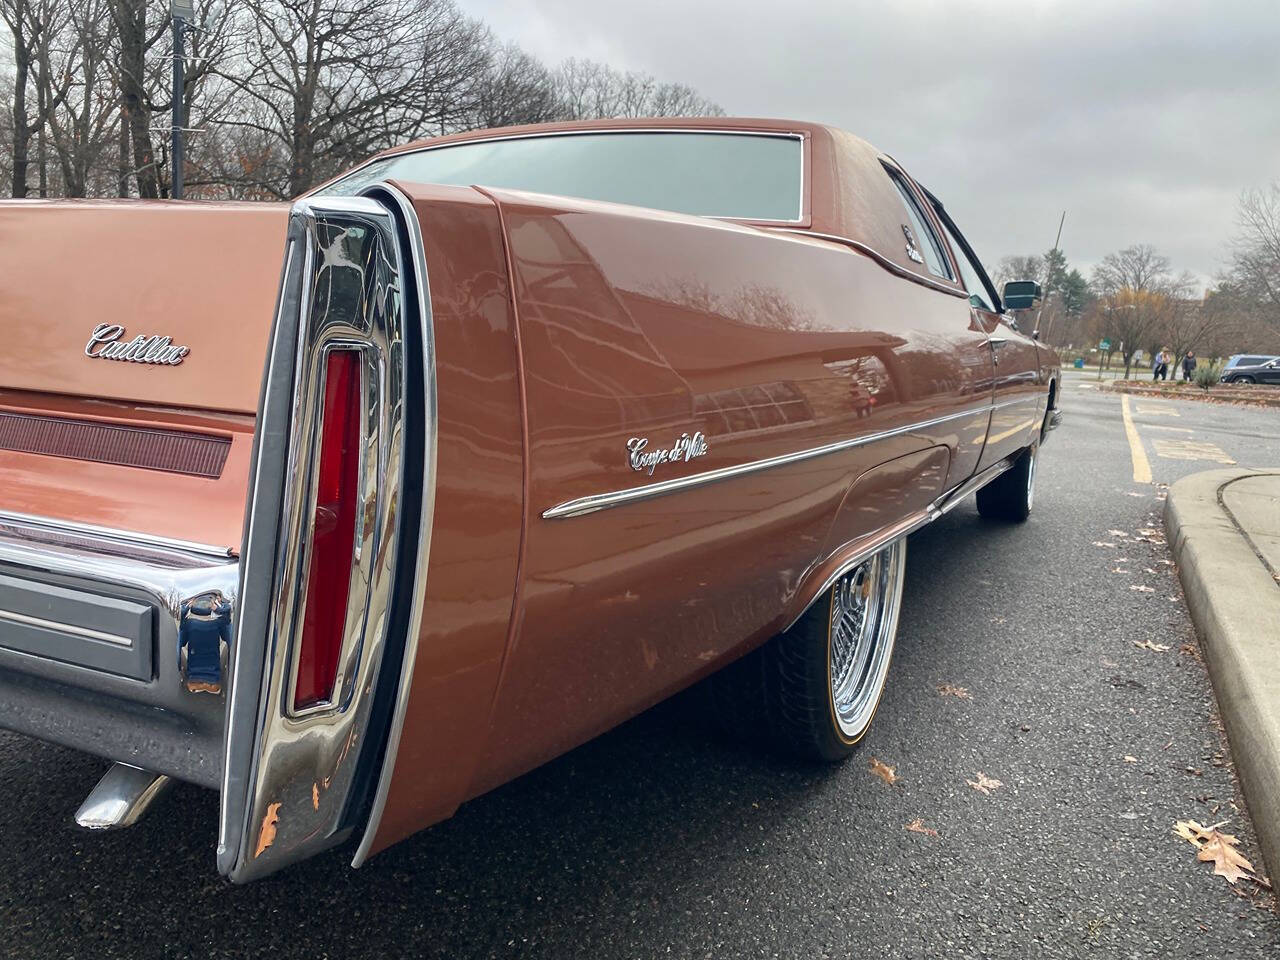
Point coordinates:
[[1235, 605]]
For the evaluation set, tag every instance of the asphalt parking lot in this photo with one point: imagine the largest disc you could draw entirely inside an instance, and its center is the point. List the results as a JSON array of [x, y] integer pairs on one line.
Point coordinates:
[[665, 838]]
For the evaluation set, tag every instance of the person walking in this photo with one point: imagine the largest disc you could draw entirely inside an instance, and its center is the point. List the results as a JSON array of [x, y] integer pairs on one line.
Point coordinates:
[[1188, 366], [1162, 365]]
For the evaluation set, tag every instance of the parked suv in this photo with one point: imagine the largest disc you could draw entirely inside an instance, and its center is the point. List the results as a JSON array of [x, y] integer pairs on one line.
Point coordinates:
[[1266, 370], [1248, 360]]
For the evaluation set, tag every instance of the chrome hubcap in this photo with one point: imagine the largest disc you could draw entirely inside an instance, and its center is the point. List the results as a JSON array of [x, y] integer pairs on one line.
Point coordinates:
[[864, 615]]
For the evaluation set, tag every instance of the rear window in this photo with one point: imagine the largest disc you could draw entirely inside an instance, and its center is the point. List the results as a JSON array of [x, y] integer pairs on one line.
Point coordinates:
[[731, 175]]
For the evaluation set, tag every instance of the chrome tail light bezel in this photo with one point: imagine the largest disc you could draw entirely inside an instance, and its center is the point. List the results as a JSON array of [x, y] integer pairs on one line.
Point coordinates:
[[300, 780]]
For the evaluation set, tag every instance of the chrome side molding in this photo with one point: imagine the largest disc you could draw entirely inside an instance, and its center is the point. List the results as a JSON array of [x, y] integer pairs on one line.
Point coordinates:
[[941, 506], [123, 795], [603, 501]]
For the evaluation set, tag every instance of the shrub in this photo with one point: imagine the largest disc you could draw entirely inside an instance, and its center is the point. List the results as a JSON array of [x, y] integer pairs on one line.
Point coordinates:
[[1206, 374]]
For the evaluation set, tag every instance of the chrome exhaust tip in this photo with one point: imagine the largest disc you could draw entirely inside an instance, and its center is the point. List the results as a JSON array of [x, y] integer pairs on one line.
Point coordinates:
[[123, 795]]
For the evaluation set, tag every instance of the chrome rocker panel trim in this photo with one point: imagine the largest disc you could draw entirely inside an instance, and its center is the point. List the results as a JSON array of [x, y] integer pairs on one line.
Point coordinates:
[[940, 507], [602, 501], [296, 781]]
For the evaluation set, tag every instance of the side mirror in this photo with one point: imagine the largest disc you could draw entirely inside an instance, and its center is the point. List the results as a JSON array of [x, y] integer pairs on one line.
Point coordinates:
[[1020, 294]]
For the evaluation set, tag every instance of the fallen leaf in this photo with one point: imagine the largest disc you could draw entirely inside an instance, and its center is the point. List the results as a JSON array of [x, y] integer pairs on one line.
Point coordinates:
[[917, 826], [1148, 645], [1220, 850], [1099, 543], [1132, 494], [1116, 533], [1216, 848], [1149, 570], [985, 784], [1129, 759], [1148, 532], [947, 690], [1141, 589], [315, 796], [267, 835], [883, 771]]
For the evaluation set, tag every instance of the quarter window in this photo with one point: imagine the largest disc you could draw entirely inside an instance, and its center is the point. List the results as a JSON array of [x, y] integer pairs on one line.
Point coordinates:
[[923, 244]]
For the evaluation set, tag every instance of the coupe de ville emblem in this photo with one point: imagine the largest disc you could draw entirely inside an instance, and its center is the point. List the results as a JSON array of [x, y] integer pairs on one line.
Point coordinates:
[[686, 448], [106, 343]]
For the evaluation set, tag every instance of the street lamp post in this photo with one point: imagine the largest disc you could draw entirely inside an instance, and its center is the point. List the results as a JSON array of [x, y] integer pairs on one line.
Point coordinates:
[[183, 13]]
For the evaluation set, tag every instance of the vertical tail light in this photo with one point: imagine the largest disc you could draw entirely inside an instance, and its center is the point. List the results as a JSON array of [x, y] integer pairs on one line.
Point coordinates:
[[333, 532]]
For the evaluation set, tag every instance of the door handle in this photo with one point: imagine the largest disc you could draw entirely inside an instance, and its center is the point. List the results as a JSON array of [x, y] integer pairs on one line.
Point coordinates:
[[997, 341]]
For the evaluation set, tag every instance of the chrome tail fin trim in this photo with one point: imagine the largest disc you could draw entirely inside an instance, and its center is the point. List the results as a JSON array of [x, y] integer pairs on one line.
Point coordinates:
[[295, 779]]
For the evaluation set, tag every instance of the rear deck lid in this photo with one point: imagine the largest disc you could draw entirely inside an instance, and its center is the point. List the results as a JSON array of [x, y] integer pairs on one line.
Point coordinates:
[[158, 303]]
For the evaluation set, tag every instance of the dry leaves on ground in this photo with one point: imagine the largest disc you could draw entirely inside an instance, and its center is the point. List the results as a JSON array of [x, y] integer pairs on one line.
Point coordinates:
[[947, 690], [1116, 533], [1141, 589], [883, 771], [985, 784], [917, 826], [1148, 645], [1099, 543], [1218, 849], [1129, 759]]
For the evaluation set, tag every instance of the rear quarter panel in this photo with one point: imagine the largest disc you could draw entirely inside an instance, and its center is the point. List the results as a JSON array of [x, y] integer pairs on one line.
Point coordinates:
[[644, 324], [478, 517]]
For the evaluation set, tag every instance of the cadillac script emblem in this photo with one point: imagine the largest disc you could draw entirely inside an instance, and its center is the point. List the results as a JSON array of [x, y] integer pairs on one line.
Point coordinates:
[[684, 449], [105, 343]]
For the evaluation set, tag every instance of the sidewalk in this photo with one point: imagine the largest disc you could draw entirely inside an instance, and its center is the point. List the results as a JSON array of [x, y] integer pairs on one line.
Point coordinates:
[[1224, 530]]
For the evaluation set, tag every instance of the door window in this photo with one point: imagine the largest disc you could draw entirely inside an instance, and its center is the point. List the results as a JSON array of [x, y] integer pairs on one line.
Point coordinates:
[[971, 273]]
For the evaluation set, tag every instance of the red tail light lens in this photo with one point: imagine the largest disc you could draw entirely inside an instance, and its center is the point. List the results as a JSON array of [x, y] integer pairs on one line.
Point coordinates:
[[333, 532]]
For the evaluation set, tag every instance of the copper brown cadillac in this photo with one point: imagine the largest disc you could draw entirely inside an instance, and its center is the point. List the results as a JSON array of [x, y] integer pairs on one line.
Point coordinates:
[[357, 508]]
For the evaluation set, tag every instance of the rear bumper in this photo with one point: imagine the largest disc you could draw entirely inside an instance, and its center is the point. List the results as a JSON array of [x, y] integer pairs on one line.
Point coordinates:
[[116, 643]]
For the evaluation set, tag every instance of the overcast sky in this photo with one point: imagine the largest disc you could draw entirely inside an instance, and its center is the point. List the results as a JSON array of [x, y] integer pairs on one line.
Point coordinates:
[[1144, 120]]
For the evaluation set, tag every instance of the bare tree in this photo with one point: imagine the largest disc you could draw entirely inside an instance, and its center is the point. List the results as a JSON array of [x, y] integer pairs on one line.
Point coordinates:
[[278, 94], [135, 39], [335, 80], [34, 25], [589, 90], [1136, 292], [515, 88], [1020, 267], [1255, 251], [1189, 323], [81, 122]]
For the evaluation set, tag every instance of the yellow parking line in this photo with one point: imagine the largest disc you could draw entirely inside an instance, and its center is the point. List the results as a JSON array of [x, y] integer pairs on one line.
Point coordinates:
[[1141, 465]]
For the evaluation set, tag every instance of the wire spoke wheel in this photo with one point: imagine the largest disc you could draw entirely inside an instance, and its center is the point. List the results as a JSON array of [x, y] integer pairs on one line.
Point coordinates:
[[861, 628]]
